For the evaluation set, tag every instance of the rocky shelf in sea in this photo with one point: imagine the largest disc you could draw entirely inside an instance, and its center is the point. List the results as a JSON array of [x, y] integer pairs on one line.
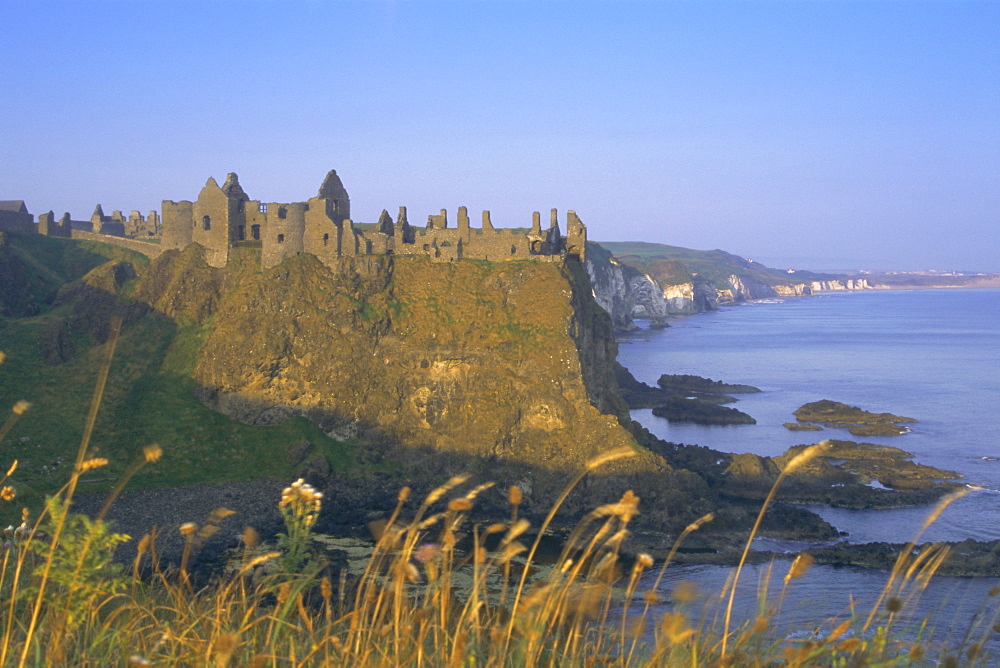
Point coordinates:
[[685, 398], [834, 414]]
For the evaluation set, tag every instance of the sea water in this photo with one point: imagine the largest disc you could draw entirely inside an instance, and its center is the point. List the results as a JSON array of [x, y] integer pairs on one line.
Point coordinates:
[[933, 355]]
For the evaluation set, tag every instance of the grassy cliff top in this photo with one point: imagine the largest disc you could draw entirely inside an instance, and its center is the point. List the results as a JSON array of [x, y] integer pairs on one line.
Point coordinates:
[[671, 265]]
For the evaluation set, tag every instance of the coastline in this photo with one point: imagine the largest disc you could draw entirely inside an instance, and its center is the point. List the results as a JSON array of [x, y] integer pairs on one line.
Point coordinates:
[[684, 330]]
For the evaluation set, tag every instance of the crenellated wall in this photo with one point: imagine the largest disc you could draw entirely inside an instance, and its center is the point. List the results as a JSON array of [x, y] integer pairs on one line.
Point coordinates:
[[224, 217]]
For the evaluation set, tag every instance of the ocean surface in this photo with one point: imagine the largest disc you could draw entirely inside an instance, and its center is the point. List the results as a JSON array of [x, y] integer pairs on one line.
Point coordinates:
[[933, 355]]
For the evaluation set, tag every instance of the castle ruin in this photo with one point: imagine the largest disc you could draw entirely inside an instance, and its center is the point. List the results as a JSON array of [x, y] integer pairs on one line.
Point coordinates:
[[224, 218]]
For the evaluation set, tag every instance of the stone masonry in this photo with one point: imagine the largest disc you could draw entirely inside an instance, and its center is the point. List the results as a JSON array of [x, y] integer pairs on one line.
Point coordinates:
[[224, 217]]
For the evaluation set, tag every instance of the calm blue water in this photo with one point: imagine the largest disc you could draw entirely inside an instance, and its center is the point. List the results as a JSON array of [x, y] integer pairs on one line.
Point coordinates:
[[933, 355]]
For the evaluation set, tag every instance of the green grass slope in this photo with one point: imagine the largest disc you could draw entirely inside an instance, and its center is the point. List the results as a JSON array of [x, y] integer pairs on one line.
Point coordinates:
[[672, 265]]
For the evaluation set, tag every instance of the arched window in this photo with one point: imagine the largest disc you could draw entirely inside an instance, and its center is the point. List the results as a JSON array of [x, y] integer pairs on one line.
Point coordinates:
[[281, 238], [206, 223], [255, 232], [282, 212]]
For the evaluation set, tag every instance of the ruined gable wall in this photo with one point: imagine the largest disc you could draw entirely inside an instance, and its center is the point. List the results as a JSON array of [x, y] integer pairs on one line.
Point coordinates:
[[321, 234], [283, 236], [212, 223], [576, 236], [17, 221]]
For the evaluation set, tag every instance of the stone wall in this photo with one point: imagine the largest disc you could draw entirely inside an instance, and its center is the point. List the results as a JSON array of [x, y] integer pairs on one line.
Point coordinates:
[[224, 216], [14, 217], [150, 250]]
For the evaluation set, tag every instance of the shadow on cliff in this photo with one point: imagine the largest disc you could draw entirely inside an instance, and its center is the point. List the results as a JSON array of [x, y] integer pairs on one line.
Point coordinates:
[[179, 292]]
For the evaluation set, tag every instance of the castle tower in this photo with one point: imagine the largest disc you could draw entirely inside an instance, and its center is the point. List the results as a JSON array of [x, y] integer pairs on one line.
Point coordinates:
[[218, 216], [576, 236], [332, 190]]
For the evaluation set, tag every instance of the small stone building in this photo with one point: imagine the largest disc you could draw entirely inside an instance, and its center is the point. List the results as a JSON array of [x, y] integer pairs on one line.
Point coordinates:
[[14, 216]]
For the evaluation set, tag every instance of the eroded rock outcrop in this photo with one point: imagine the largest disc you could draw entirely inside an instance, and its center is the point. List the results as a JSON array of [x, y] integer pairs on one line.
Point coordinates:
[[506, 364], [623, 291]]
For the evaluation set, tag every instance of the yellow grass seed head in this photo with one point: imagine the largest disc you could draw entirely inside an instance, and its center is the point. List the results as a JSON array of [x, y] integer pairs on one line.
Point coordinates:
[[629, 506], [840, 630], [452, 483], [143, 546], [495, 528], [944, 503], [799, 567], [2, 356], [7, 493], [478, 489], [93, 463], [515, 495], [644, 560], [225, 644], [611, 456], [916, 652], [326, 588], [152, 453], [674, 626], [700, 522], [849, 644], [21, 407], [459, 505], [808, 455], [250, 537], [760, 625], [188, 528], [403, 495], [519, 528], [13, 467]]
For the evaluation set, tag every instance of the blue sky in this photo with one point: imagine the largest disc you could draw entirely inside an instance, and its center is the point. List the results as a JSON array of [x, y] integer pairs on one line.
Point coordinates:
[[813, 134]]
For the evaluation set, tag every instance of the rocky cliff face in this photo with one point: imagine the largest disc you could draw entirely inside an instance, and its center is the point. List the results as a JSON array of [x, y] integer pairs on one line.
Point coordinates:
[[623, 291], [497, 363], [815, 287]]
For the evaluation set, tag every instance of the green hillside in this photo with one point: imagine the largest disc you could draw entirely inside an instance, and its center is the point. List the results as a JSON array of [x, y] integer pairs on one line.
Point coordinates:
[[67, 291], [671, 265]]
